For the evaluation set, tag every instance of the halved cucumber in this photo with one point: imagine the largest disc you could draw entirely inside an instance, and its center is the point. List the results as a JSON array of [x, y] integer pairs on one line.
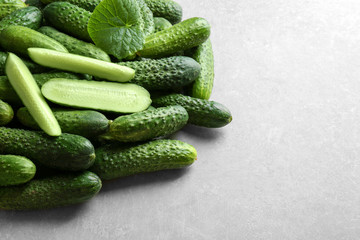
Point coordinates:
[[106, 96], [29, 93], [81, 64]]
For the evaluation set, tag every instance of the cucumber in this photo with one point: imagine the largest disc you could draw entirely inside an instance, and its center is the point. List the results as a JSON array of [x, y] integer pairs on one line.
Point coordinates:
[[80, 64], [202, 112], [74, 45], [53, 191], [7, 92], [18, 39], [161, 24], [88, 5], [147, 125], [164, 73], [28, 91], [88, 124], [15, 170], [6, 113], [69, 19], [106, 96], [33, 67], [66, 152], [167, 9], [147, 16], [9, 6], [30, 17], [185, 35], [114, 161], [35, 3], [202, 86]]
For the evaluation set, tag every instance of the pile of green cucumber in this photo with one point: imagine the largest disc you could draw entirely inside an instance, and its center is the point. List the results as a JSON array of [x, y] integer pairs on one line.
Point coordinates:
[[71, 115]]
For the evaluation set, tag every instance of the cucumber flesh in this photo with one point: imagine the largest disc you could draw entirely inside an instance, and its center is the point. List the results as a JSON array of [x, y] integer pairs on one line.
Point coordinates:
[[80, 64], [28, 91], [106, 96]]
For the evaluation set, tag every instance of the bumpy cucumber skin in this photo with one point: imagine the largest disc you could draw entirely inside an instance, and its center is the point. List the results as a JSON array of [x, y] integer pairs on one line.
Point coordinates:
[[114, 161], [202, 112], [147, 125], [66, 152], [164, 73], [6, 113], [69, 19], [15, 170], [33, 67], [88, 5], [185, 35], [74, 45], [147, 16], [49, 192], [29, 17], [9, 6], [202, 86], [161, 24], [167, 9], [85, 123], [18, 39]]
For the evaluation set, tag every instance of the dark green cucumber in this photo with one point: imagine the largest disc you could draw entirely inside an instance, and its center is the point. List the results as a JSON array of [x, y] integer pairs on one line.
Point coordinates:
[[114, 161], [15, 170], [74, 45], [9, 6], [185, 35], [147, 125], [18, 39], [147, 16], [202, 86], [35, 3], [69, 19], [161, 24], [88, 5], [66, 152], [6, 113], [202, 112], [33, 67], [164, 73], [49, 192], [7, 93], [167, 9], [30, 17], [85, 123]]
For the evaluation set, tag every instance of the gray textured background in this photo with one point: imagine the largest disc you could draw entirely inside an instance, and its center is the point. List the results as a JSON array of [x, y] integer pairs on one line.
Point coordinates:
[[288, 165]]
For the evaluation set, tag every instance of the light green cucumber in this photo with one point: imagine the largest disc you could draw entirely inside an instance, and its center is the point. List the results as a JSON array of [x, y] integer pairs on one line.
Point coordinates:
[[53, 191], [15, 170], [147, 124], [74, 45], [114, 161], [6, 113], [28, 91], [106, 96], [7, 92], [161, 24], [85, 123], [18, 39], [9, 6], [33, 67], [80, 64], [185, 35], [202, 86]]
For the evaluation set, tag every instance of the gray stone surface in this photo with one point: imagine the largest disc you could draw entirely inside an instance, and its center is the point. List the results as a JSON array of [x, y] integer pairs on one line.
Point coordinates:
[[288, 165]]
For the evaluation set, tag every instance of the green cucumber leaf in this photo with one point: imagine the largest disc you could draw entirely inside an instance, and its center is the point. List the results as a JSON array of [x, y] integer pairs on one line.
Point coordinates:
[[116, 26]]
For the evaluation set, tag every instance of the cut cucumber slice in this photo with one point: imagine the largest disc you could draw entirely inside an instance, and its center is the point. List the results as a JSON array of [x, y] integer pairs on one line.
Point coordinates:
[[27, 89], [80, 64], [106, 96]]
